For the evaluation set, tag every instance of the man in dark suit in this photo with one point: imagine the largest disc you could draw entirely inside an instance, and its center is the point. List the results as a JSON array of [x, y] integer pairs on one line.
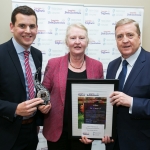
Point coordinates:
[[18, 113], [133, 100]]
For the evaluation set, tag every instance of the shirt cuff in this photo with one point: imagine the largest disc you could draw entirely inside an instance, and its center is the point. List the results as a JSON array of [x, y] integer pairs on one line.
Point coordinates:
[[130, 108]]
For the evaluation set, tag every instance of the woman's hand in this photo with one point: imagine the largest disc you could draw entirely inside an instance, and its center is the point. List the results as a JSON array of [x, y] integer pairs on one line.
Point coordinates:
[[85, 140]]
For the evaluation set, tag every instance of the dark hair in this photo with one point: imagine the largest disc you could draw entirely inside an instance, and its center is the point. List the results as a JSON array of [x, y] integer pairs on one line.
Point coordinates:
[[25, 10]]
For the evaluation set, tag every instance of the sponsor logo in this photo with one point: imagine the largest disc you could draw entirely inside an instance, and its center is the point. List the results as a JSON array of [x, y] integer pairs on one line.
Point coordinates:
[[105, 12], [44, 32], [89, 22], [114, 23], [81, 94], [85, 133], [94, 42], [133, 14], [107, 33], [59, 42], [72, 12], [104, 51], [39, 10], [56, 22]]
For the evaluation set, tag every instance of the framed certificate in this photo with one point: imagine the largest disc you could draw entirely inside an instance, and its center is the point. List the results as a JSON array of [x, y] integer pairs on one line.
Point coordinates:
[[90, 111]]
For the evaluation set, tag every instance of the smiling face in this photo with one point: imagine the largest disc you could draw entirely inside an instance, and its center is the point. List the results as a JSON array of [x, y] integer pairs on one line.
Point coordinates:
[[24, 30], [128, 40], [77, 41]]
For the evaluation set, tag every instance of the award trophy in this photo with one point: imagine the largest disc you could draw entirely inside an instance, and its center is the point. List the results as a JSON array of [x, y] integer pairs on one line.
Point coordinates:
[[42, 92]]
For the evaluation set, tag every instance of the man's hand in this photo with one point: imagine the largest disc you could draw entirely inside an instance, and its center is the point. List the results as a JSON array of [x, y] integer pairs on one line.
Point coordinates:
[[45, 108], [107, 140], [120, 98], [28, 107], [85, 140]]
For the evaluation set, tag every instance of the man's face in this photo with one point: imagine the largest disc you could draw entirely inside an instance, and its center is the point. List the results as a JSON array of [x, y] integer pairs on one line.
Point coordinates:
[[128, 41], [24, 30]]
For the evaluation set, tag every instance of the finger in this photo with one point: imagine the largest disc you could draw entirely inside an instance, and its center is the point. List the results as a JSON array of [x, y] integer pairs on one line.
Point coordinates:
[[36, 103], [33, 100], [32, 110]]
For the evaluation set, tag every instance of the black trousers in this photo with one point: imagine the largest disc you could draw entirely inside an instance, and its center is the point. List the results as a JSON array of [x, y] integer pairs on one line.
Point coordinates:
[[66, 144], [113, 146], [27, 138]]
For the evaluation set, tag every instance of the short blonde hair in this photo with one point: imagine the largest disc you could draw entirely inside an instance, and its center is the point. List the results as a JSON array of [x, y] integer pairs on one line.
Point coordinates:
[[128, 21], [77, 25]]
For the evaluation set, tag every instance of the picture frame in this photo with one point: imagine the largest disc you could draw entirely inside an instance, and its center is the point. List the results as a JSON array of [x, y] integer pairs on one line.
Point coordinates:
[[90, 111]]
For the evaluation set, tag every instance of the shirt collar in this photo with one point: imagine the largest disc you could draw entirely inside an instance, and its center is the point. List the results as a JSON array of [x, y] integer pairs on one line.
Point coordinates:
[[18, 47], [131, 60]]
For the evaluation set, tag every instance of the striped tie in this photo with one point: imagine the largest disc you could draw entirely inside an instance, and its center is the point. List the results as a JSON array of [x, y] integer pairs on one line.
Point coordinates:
[[29, 75]]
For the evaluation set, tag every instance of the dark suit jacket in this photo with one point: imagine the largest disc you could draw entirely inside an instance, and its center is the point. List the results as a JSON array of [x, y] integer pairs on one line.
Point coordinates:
[[12, 92], [55, 80], [134, 129]]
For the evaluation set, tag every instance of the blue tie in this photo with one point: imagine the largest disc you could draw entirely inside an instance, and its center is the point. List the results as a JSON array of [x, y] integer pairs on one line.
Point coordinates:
[[122, 75]]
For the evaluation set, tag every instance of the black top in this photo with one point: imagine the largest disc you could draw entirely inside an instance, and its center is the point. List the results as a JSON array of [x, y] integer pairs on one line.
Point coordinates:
[[71, 75]]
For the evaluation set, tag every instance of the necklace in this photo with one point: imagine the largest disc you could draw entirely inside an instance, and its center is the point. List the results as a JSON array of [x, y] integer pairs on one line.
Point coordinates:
[[76, 67]]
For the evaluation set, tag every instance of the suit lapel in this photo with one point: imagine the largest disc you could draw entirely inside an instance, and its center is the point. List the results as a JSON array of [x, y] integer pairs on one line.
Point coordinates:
[[63, 76], [137, 68], [114, 68], [13, 54], [89, 67]]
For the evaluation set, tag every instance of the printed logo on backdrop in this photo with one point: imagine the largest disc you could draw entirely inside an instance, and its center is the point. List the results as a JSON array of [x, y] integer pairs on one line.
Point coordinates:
[[93, 31], [72, 11], [59, 31], [54, 10], [43, 41], [91, 12], [73, 20], [56, 22], [49, 52], [89, 22], [108, 41], [44, 32], [103, 22], [17, 5], [86, 12], [104, 51], [48, 9], [94, 42], [41, 20], [58, 42], [134, 14], [105, 12], [118, 12], [114, 23], [107, 33], [115, 51], [39, 10]]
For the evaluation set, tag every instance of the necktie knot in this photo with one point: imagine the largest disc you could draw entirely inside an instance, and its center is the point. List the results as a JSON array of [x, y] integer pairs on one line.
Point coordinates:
[[26, 54], [124, 63]]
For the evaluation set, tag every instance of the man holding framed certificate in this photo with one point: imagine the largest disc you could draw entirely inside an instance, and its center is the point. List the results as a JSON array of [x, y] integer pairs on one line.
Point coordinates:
[[133, 97]]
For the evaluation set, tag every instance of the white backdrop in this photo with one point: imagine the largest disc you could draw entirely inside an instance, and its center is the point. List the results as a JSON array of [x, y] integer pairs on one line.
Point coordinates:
[[53, 19]]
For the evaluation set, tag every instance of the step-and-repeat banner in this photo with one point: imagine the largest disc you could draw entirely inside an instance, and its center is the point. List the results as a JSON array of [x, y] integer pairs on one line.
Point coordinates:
[[53, 19]]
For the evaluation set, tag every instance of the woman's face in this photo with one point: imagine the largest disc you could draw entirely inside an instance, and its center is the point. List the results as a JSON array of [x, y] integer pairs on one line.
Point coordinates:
[[77, 41]]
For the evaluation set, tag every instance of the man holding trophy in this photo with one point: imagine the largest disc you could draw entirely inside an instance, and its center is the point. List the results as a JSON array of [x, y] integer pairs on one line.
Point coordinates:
[[20, 111]]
